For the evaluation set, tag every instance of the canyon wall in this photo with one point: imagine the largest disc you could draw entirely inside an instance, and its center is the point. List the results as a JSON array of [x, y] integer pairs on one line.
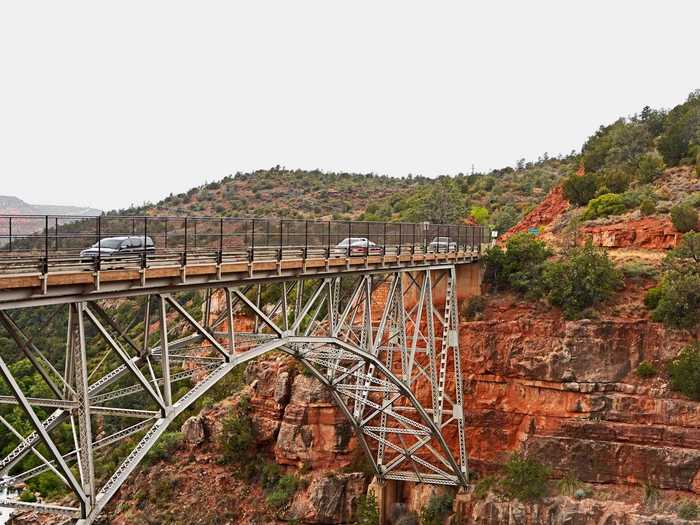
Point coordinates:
[[566, 392]]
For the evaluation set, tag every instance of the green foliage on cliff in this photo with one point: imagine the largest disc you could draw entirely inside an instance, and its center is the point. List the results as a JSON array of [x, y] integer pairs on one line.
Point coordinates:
[[524, 479], [283, 491], [675, 301], [519, 267], [581, 279], [237, 438], [684, 217], [438, 508], [688, 510], [684, 372], [646, 370], [634, 151], [606, 204], [367, 512], [650, 167], [578, 190], [164, 448]]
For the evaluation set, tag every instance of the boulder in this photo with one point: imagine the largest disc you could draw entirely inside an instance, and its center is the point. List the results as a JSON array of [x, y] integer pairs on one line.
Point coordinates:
[[193, 430]]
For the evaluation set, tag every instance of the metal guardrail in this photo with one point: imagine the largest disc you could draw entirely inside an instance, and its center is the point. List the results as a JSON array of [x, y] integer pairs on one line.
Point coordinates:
[[31, 243]]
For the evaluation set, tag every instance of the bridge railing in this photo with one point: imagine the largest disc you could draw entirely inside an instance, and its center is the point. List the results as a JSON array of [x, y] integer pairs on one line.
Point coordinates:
[[40, 243]]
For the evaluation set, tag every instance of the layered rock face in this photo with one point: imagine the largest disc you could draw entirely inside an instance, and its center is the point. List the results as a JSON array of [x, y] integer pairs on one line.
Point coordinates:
[[653, 233], [557, 511], [566, 392]]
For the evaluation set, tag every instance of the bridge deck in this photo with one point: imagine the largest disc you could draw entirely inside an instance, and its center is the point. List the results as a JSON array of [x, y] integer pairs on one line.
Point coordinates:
[[66, 285], [44, 260]]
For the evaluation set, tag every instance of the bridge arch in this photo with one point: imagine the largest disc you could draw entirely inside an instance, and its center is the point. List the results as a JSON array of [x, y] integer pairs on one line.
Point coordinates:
[[383, 341]]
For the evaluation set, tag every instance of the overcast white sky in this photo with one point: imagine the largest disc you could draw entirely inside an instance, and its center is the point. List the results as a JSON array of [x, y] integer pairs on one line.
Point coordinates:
[[111, 103]]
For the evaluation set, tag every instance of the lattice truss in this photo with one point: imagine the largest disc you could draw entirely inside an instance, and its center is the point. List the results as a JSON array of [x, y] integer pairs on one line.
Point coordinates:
[[384, 343]]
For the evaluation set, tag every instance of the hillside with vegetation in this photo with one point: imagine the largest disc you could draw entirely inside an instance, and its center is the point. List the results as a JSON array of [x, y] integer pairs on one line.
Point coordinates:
[[625, 161], [584, 342]]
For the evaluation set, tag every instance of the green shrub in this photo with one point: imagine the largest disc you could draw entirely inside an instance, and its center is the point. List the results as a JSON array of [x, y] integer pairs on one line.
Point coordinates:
[[651, 495], [569, 484], [684, 372], [684, 217], [650, 167], [615, 180], [647, 206], [676, 301], [484, 486], [283, 491], [688, 510], [237, 438], [367, 512], [694, 200], [519, 267], [505, 218], [479, 214], [438, 508], [578, 190], [652, 297], [646, 370], [164, 448], [680, 131], [270, 474], [524, 479], [27, 496], [473, 307], [584, 278], [607, 204], [639, 270]]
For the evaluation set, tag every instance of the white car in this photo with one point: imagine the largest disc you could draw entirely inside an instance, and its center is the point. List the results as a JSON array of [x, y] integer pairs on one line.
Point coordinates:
[[442, 244], [359, 246]]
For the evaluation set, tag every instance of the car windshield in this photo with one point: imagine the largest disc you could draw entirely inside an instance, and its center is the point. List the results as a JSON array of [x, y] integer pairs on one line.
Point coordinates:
[[441, 239], [110, 244]]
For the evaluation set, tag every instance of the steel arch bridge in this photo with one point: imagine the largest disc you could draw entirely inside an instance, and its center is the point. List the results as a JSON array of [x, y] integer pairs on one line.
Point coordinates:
[[378, 329]]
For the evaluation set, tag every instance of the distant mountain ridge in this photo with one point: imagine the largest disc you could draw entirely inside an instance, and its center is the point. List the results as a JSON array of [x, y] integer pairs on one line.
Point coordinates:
[[10, 205], [13, 206]]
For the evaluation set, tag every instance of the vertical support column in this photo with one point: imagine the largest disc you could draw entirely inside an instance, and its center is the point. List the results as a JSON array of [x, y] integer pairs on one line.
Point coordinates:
[[146, 326], [231, 332], [257, 303], [298, 299], [68, 367], [87, 467], [432, 363], [165, 355], [207, 309], [285, 307], [459, 387]]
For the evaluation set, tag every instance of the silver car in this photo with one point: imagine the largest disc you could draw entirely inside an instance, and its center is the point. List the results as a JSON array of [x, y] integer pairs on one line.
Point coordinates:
[[116, 246], [359, 246]]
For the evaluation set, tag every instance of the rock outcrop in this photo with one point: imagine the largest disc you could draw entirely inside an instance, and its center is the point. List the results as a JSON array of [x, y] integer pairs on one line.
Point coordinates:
[[297, 416], [329, 499], [542, 215], [651, 233], [557, 511]]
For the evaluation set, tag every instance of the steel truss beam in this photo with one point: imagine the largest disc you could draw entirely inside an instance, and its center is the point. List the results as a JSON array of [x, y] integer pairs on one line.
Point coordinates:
[[383, 343]]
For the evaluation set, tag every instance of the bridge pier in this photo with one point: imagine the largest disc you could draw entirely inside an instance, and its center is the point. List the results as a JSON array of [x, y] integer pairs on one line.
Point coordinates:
[[387, 493]]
